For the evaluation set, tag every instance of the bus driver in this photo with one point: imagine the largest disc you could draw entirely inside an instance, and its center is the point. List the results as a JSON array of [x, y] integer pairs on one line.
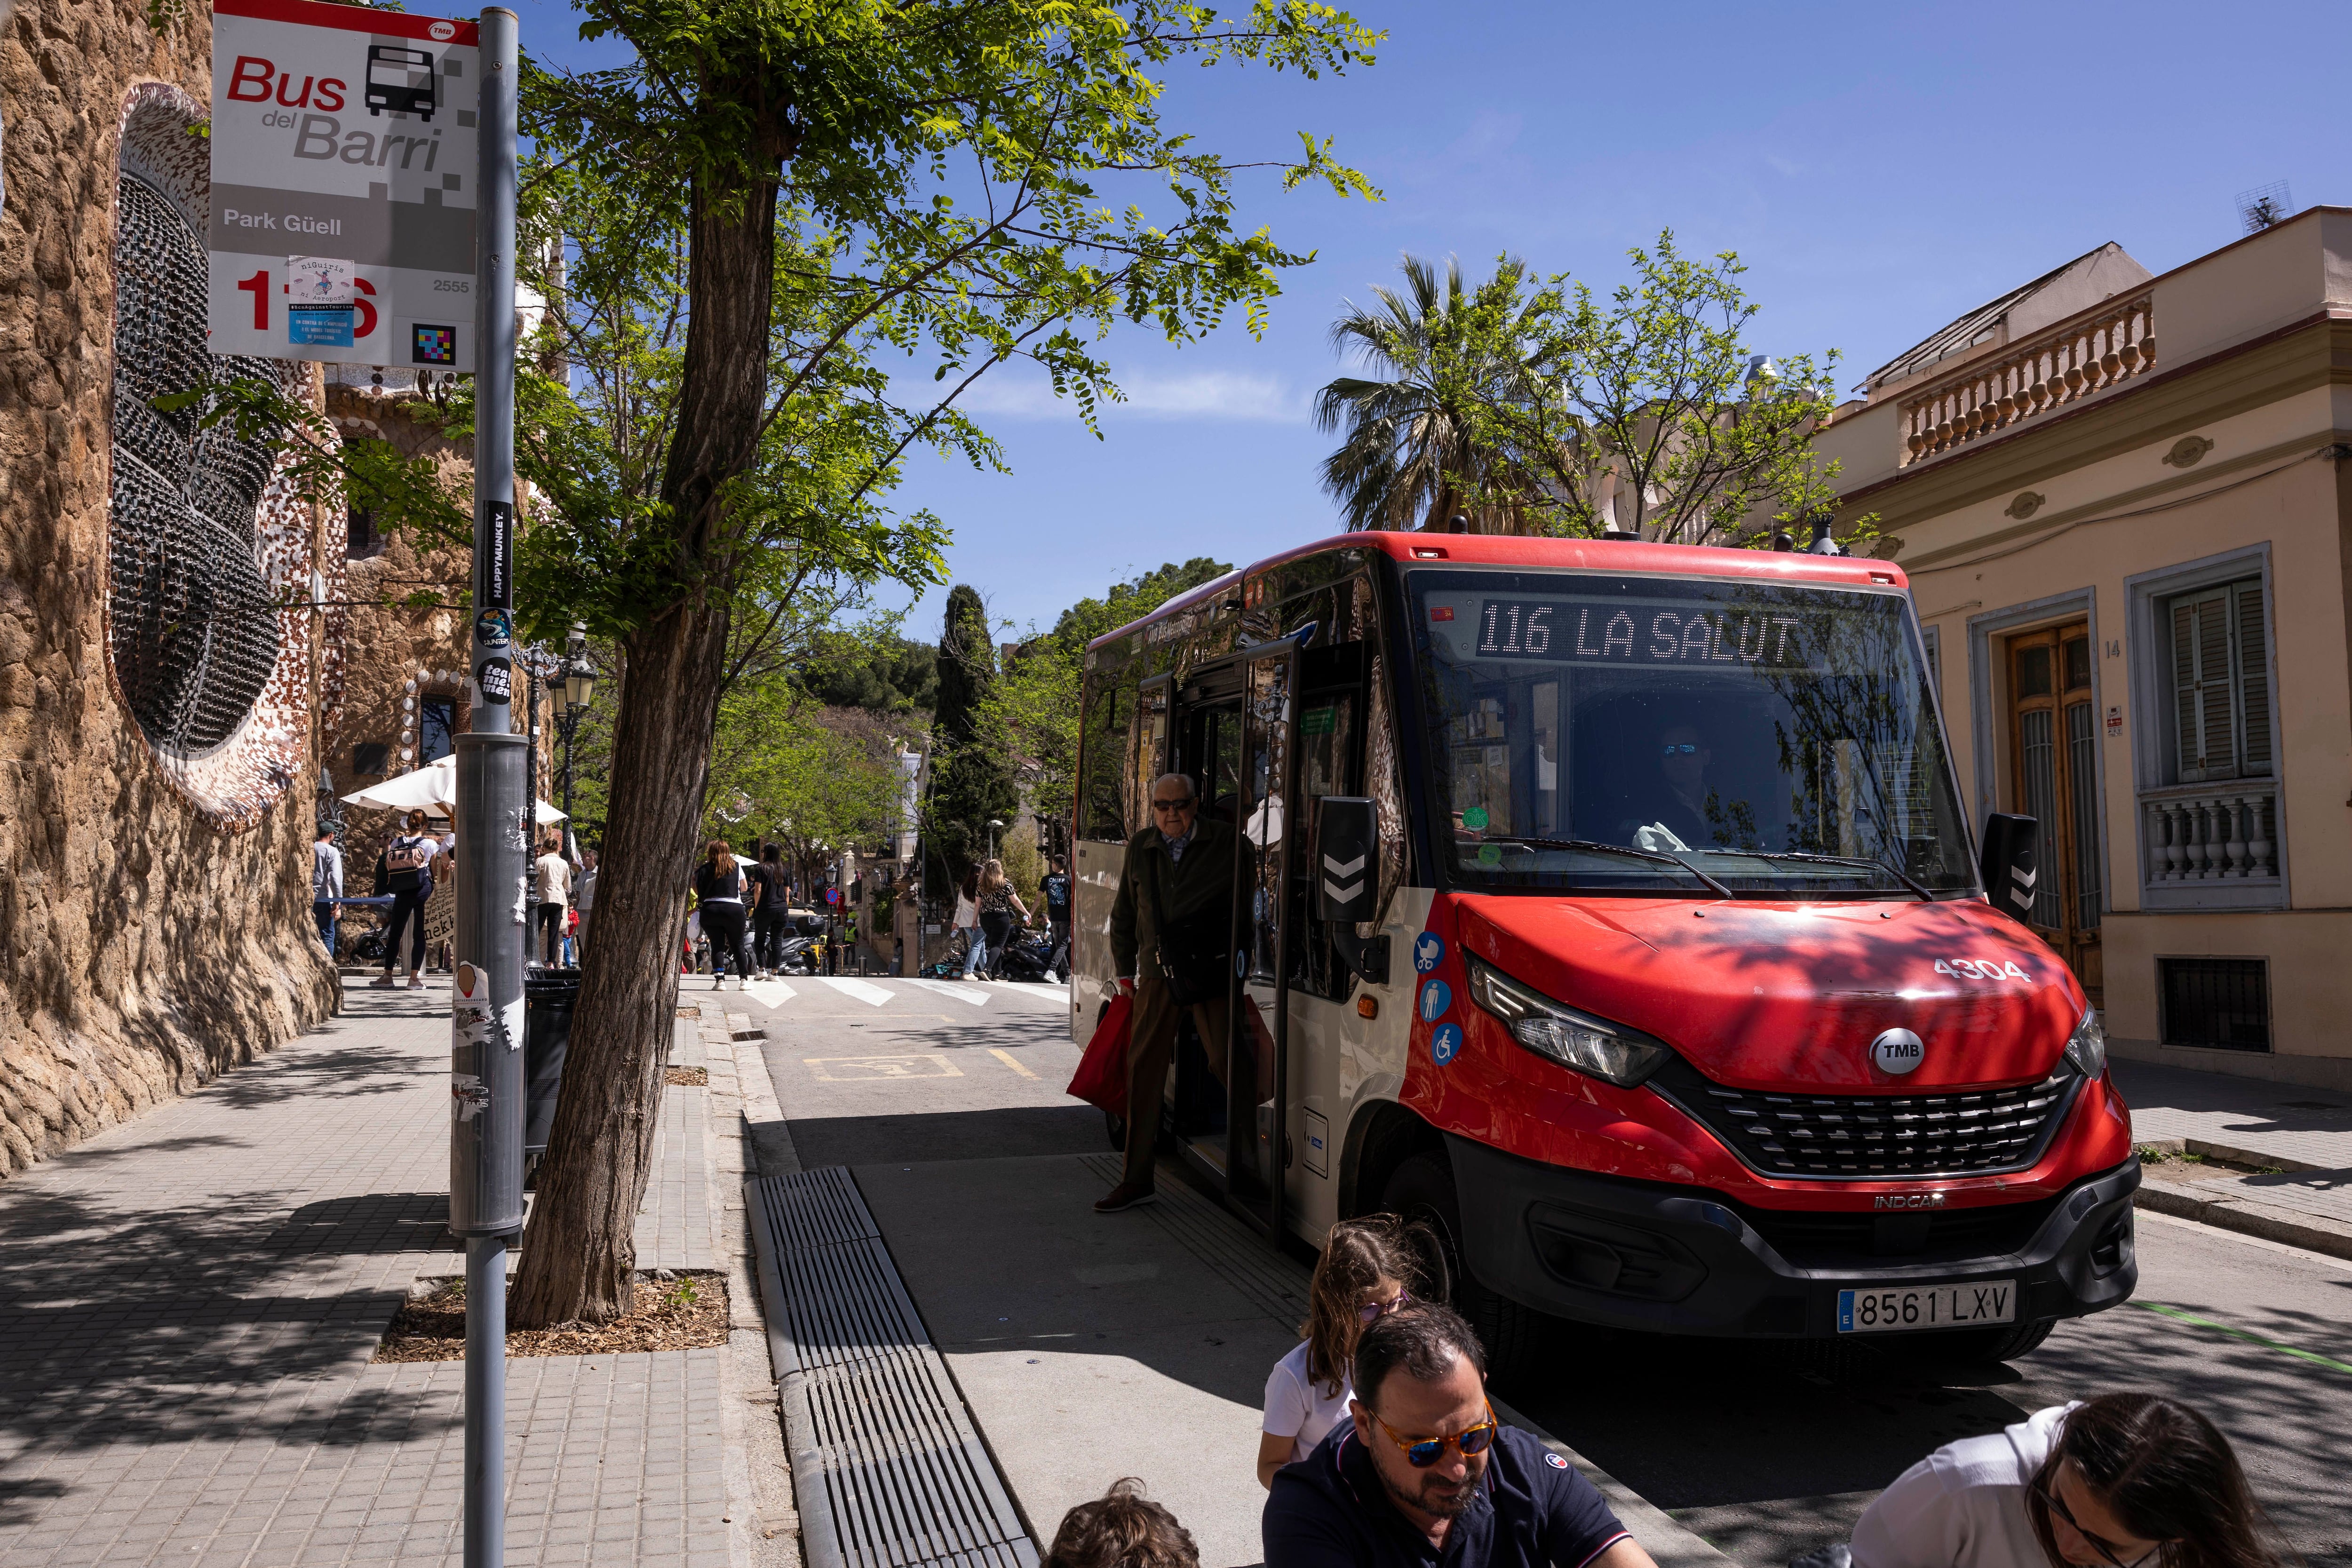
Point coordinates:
[[1678, 819], [1171, 936]]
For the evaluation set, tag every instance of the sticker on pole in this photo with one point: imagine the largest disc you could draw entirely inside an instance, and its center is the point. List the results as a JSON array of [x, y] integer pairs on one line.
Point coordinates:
[[342, 174]]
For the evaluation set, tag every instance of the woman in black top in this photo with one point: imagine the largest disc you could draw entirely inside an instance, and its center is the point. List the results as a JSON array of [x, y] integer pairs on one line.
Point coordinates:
[[999, 907], [718, 888]]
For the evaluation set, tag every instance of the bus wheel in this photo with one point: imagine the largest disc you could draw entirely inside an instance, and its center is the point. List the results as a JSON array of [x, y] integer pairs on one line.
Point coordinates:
[[1975, 1347], [1422, 1189]]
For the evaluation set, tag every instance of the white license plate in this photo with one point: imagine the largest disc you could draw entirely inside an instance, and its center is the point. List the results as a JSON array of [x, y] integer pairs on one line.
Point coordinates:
[[1928, 1307]]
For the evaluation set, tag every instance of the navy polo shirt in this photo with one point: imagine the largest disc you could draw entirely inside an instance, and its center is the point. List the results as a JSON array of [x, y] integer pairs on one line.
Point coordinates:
[[1532, 1510]]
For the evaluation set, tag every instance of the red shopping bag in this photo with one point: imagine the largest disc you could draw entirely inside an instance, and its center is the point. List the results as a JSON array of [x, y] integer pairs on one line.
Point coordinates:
[[1101, 1078]]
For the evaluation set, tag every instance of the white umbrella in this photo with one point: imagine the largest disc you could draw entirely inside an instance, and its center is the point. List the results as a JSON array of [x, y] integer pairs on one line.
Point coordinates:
[[432, 788]]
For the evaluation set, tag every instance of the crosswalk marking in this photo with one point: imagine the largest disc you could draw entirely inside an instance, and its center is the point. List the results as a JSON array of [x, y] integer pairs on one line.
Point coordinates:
[[769, 992], [871, 996], [971, 995]]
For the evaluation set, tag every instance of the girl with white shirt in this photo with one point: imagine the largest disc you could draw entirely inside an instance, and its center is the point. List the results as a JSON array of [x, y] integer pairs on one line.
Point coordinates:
[[1360, 1276], [2126, 1480]]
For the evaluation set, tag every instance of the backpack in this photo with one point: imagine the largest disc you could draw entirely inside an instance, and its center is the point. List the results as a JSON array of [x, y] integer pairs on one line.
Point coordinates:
[[405, 859]]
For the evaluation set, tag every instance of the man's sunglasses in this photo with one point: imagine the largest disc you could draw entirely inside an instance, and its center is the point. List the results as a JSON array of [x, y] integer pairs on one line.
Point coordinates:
[[1423, 1452], [1685, 749], [1184, 804], [2048, 1498], [1375, 1311]]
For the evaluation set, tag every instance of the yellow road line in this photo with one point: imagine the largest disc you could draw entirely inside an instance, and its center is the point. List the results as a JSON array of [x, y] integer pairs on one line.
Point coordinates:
[[2176, 1312], [1006, 1057]]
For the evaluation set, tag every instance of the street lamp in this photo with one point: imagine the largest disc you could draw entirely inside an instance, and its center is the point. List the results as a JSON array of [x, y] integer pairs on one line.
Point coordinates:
[[578, 690], [994, 823]]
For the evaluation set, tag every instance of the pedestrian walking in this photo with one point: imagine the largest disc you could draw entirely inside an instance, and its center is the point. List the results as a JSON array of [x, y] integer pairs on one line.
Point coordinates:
[[326, 885], [1122, 1529], [1363, 1274], [583, 898], [1172, 939], [1056, 891], [408, 878], [2113, 1482], [1422, 1474], [554, 874], [1001, 912], [967, 922], [718, 886], [774, 896]]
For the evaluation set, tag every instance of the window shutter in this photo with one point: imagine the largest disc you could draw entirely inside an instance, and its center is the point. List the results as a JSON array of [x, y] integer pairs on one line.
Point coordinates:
[[2253, 680], [2214, 696], [2188, 728]]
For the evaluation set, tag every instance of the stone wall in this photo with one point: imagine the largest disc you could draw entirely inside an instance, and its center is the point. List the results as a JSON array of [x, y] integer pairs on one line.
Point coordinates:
[[155, 895]]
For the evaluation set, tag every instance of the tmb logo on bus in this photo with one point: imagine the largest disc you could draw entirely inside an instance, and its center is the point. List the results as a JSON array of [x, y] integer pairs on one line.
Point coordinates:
[[1897, 1051]]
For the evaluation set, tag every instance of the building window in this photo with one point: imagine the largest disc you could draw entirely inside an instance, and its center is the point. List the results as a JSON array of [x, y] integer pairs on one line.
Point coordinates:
[[361, 539], [2220, 707], [2211, 830], [2218, 1004], [436, 723], [370, 759]]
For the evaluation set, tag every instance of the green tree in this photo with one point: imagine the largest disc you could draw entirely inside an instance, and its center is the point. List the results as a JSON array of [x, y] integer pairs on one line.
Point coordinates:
[[972, 769], [1411, 453], [1533, 405], [1033, 709]]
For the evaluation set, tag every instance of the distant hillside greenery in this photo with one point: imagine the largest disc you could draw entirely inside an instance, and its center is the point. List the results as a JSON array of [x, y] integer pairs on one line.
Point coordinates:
[[1032, 709]]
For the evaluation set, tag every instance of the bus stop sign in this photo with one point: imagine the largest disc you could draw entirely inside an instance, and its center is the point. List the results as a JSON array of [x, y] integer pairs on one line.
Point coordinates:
[[343, 166]]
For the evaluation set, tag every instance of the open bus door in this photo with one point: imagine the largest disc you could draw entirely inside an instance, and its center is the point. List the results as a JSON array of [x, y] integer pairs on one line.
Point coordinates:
[[1235, 727]]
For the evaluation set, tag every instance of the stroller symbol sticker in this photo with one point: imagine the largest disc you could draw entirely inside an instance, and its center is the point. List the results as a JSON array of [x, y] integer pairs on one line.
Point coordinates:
[[1428, 952]]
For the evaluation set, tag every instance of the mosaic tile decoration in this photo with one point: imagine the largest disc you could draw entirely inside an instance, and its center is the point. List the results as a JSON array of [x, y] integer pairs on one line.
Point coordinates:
[[210, 568]]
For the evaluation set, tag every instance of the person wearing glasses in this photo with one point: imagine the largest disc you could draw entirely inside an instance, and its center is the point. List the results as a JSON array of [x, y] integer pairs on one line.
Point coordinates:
[[1676, 819], [1171, 937], [1359, 1278], [1422, 1473], [2120, 1481]]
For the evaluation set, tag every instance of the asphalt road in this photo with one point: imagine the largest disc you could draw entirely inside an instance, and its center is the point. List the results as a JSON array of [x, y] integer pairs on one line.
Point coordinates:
[[1765, 1451]]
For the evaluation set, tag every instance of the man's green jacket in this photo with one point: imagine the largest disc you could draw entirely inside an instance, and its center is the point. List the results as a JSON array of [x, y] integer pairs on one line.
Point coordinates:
[[1204, 879]]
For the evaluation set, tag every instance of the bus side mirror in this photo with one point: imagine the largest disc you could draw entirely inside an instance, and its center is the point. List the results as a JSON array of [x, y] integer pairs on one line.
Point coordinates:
[[2008, 866], [1347, 880]]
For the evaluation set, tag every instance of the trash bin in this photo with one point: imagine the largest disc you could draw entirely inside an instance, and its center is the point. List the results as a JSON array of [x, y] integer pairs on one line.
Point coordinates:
[[547, 995]]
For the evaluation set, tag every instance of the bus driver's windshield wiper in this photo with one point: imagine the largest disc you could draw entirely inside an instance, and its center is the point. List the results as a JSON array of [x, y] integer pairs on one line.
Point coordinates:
[[1719, 888], [1869, 860]]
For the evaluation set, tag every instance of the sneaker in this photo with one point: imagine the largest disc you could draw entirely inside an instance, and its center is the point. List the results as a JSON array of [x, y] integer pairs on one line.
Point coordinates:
[[416, 983], [1124, 1197], [385, 983]]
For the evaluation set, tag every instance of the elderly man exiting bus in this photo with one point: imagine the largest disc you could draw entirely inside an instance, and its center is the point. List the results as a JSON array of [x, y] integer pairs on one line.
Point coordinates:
[[1172, 935]]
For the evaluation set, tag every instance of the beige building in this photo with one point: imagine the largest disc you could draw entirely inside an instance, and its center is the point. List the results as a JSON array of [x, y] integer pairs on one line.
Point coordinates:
[[2127, 513]]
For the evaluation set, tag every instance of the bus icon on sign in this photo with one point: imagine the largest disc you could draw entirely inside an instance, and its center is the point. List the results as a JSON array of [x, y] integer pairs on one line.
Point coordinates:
[[401, 80]]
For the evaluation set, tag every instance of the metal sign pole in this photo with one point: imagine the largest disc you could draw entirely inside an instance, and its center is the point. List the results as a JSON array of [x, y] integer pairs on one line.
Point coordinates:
[[494, 831]]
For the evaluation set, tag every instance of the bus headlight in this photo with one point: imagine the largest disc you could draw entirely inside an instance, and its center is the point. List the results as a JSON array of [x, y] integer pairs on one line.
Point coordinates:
[[1577, 1041], [2087, 1047]]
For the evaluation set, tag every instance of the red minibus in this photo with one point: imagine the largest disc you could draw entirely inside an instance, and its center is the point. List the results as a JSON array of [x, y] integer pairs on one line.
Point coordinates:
[[1611, 906]]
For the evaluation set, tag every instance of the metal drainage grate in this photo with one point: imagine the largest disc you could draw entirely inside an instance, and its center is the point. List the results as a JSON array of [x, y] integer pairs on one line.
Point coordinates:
[[887, 1467]]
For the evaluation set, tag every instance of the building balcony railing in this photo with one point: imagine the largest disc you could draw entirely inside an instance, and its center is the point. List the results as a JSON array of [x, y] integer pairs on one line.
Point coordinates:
[[2089, 353], [2205, 833]]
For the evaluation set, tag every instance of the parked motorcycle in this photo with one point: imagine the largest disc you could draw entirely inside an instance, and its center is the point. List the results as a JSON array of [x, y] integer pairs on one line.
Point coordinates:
[[1030, 955]]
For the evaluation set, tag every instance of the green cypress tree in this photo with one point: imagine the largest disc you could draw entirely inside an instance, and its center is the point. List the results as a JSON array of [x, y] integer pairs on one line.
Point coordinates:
[[974, 771]]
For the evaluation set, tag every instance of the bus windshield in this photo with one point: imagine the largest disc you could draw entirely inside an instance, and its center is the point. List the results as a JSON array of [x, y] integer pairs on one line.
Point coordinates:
[[1656, 734]]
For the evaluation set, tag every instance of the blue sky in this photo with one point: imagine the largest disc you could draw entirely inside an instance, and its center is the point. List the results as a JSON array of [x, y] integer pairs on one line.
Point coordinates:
[[1879, 168]]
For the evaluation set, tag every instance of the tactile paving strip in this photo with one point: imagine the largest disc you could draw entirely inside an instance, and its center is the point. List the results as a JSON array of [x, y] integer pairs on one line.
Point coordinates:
[[887, 1467]]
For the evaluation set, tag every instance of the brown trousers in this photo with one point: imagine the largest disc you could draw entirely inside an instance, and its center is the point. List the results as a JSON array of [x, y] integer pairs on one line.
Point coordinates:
[[1151, 1042]]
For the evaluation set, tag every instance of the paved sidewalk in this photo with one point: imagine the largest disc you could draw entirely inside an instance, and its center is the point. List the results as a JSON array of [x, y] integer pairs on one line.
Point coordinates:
[[2306, 1133], [188, 1304]]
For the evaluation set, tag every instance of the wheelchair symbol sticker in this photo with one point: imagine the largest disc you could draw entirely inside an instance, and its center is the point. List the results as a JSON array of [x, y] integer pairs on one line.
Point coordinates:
[[1445, 1043], [1428, 952], [1435, 998]]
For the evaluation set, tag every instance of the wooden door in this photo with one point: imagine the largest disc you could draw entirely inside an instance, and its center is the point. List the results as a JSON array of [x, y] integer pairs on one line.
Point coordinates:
[[2053, 738]]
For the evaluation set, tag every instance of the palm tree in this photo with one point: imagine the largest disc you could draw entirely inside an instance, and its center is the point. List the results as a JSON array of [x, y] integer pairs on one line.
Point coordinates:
[[1410, 456]]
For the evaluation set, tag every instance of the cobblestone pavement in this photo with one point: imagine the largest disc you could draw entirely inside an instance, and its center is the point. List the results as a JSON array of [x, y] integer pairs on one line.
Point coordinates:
[[188, 1303], [2308, 1132]]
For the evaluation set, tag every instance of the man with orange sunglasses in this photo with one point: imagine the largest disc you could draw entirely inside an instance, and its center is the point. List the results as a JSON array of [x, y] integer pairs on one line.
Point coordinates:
[[1427, 1477]]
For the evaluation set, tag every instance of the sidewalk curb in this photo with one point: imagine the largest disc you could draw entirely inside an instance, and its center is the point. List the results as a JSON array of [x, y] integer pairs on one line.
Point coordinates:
[[1669, 1542], [2289, 1226], [2230, 1151]]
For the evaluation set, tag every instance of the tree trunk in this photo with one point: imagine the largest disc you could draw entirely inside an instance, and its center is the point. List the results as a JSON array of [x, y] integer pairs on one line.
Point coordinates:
[[580, 1252]]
